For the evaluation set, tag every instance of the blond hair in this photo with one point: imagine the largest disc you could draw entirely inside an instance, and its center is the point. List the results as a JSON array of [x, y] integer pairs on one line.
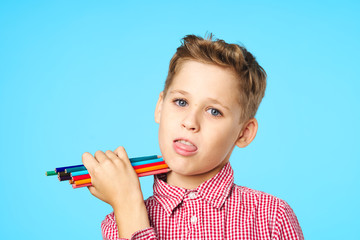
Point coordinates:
[[251, 76]]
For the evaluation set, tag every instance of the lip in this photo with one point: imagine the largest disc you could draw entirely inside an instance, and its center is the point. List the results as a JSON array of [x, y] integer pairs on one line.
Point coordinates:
[[183, 149]]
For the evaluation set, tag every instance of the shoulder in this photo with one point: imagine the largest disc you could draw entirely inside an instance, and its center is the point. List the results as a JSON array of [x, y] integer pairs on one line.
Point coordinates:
[[249, 194], [255, 198], [260, 201], [271, 209]]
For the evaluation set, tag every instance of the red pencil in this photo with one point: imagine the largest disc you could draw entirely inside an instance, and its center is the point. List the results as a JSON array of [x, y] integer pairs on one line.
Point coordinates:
[[148, 165], [76, 178]]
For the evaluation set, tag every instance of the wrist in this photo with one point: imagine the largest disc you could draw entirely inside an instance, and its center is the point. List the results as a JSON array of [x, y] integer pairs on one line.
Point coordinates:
[[130, 219], [121, 205]]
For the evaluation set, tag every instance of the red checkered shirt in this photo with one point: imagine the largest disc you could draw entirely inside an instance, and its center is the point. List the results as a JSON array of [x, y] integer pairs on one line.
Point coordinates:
[[217, 209]]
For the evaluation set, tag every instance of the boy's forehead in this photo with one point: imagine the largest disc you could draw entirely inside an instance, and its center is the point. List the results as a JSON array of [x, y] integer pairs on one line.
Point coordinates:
[[206, 80]]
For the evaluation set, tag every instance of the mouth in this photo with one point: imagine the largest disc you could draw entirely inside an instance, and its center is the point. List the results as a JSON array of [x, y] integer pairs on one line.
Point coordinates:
[[184, 147]]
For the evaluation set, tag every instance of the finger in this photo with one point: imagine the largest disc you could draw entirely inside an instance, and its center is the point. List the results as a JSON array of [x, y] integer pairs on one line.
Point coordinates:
[[121, 153], [89, 161], [111, 155], [100, 156], [94, 192]]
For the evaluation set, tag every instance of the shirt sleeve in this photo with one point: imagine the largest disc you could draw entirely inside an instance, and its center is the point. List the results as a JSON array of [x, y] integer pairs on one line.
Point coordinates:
[[287, 226], [110, 232]]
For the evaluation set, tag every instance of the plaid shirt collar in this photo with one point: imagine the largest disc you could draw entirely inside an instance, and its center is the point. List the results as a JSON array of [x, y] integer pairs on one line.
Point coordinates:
[[214, 191]]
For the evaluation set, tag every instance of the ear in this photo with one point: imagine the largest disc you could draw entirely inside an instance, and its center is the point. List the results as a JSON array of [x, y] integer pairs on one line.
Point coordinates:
[[158, 107], [247, 133]]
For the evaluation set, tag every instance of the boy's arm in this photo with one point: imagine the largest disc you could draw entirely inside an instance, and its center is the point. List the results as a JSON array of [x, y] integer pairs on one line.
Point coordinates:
[[115, 182]]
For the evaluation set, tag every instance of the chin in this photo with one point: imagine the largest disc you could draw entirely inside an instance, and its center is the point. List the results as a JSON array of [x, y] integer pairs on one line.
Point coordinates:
[[180, 167]]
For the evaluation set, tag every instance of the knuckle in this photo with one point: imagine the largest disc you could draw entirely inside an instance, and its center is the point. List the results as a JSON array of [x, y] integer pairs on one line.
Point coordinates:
[[106, 162], [94, 173]]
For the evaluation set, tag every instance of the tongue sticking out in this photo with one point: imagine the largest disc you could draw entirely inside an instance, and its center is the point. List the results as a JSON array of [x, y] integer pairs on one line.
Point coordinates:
[[185, 146]]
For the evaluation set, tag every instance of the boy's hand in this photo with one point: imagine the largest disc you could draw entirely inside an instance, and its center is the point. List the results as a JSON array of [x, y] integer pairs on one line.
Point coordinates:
[[113, 178], [115, 181]]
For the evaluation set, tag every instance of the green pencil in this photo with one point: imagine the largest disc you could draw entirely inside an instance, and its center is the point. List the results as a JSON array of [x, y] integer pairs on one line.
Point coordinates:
[[50, 173]]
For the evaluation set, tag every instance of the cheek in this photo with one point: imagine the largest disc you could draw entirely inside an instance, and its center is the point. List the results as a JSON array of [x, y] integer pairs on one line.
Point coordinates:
[[169, 119], [166, 128], [224, 137]]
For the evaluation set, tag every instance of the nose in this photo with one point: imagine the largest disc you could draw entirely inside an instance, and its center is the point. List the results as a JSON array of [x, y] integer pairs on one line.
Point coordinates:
[[191, 121]]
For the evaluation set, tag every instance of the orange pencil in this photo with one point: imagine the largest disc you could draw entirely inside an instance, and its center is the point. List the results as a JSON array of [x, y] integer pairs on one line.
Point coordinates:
[[148, 165], [82, 181], [152, 168]]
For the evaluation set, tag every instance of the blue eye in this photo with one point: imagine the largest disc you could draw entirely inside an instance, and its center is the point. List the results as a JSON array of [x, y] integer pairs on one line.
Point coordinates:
[[214, 112], [180, 102]]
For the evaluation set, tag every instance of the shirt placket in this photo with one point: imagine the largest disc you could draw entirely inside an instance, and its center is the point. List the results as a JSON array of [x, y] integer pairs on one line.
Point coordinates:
[[193, 215]]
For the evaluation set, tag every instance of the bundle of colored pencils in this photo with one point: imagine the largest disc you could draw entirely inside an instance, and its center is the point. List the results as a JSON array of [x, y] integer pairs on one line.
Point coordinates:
[[79, 177]]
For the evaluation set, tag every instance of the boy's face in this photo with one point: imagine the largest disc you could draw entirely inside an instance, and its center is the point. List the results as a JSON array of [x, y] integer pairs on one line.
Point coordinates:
[[199, 122]]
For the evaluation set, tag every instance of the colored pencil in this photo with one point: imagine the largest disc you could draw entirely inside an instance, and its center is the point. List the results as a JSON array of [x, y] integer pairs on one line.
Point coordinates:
[[50, 173], [165, 170], [80, 186], [62, 176], [62, 169], [73, 174], [83, 181], [139, 175], [147, 162], [140, 159], [81, 177], [75, 169], [141, 170], [148, 165], [133, 160], [147, 169]]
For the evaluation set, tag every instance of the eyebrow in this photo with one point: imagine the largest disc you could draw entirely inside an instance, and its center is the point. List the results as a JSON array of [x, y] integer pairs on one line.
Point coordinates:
[[210, 99], [180, 91]]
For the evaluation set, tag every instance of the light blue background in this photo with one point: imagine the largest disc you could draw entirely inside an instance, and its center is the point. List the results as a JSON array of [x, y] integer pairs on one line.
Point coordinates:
[[81, 76]]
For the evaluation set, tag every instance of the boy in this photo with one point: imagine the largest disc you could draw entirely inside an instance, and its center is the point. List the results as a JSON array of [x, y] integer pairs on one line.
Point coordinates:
[[207, 107]]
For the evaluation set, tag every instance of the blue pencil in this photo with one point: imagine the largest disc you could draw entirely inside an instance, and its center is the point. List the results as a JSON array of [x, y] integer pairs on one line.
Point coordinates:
[[139, 159], [75, 169], [132, 160], [83, 172], [73, 174], [146, 162], [62, 169]]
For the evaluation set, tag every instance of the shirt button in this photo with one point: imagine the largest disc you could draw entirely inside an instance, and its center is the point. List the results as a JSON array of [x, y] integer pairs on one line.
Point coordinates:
[[193, 219], [192, 195]]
